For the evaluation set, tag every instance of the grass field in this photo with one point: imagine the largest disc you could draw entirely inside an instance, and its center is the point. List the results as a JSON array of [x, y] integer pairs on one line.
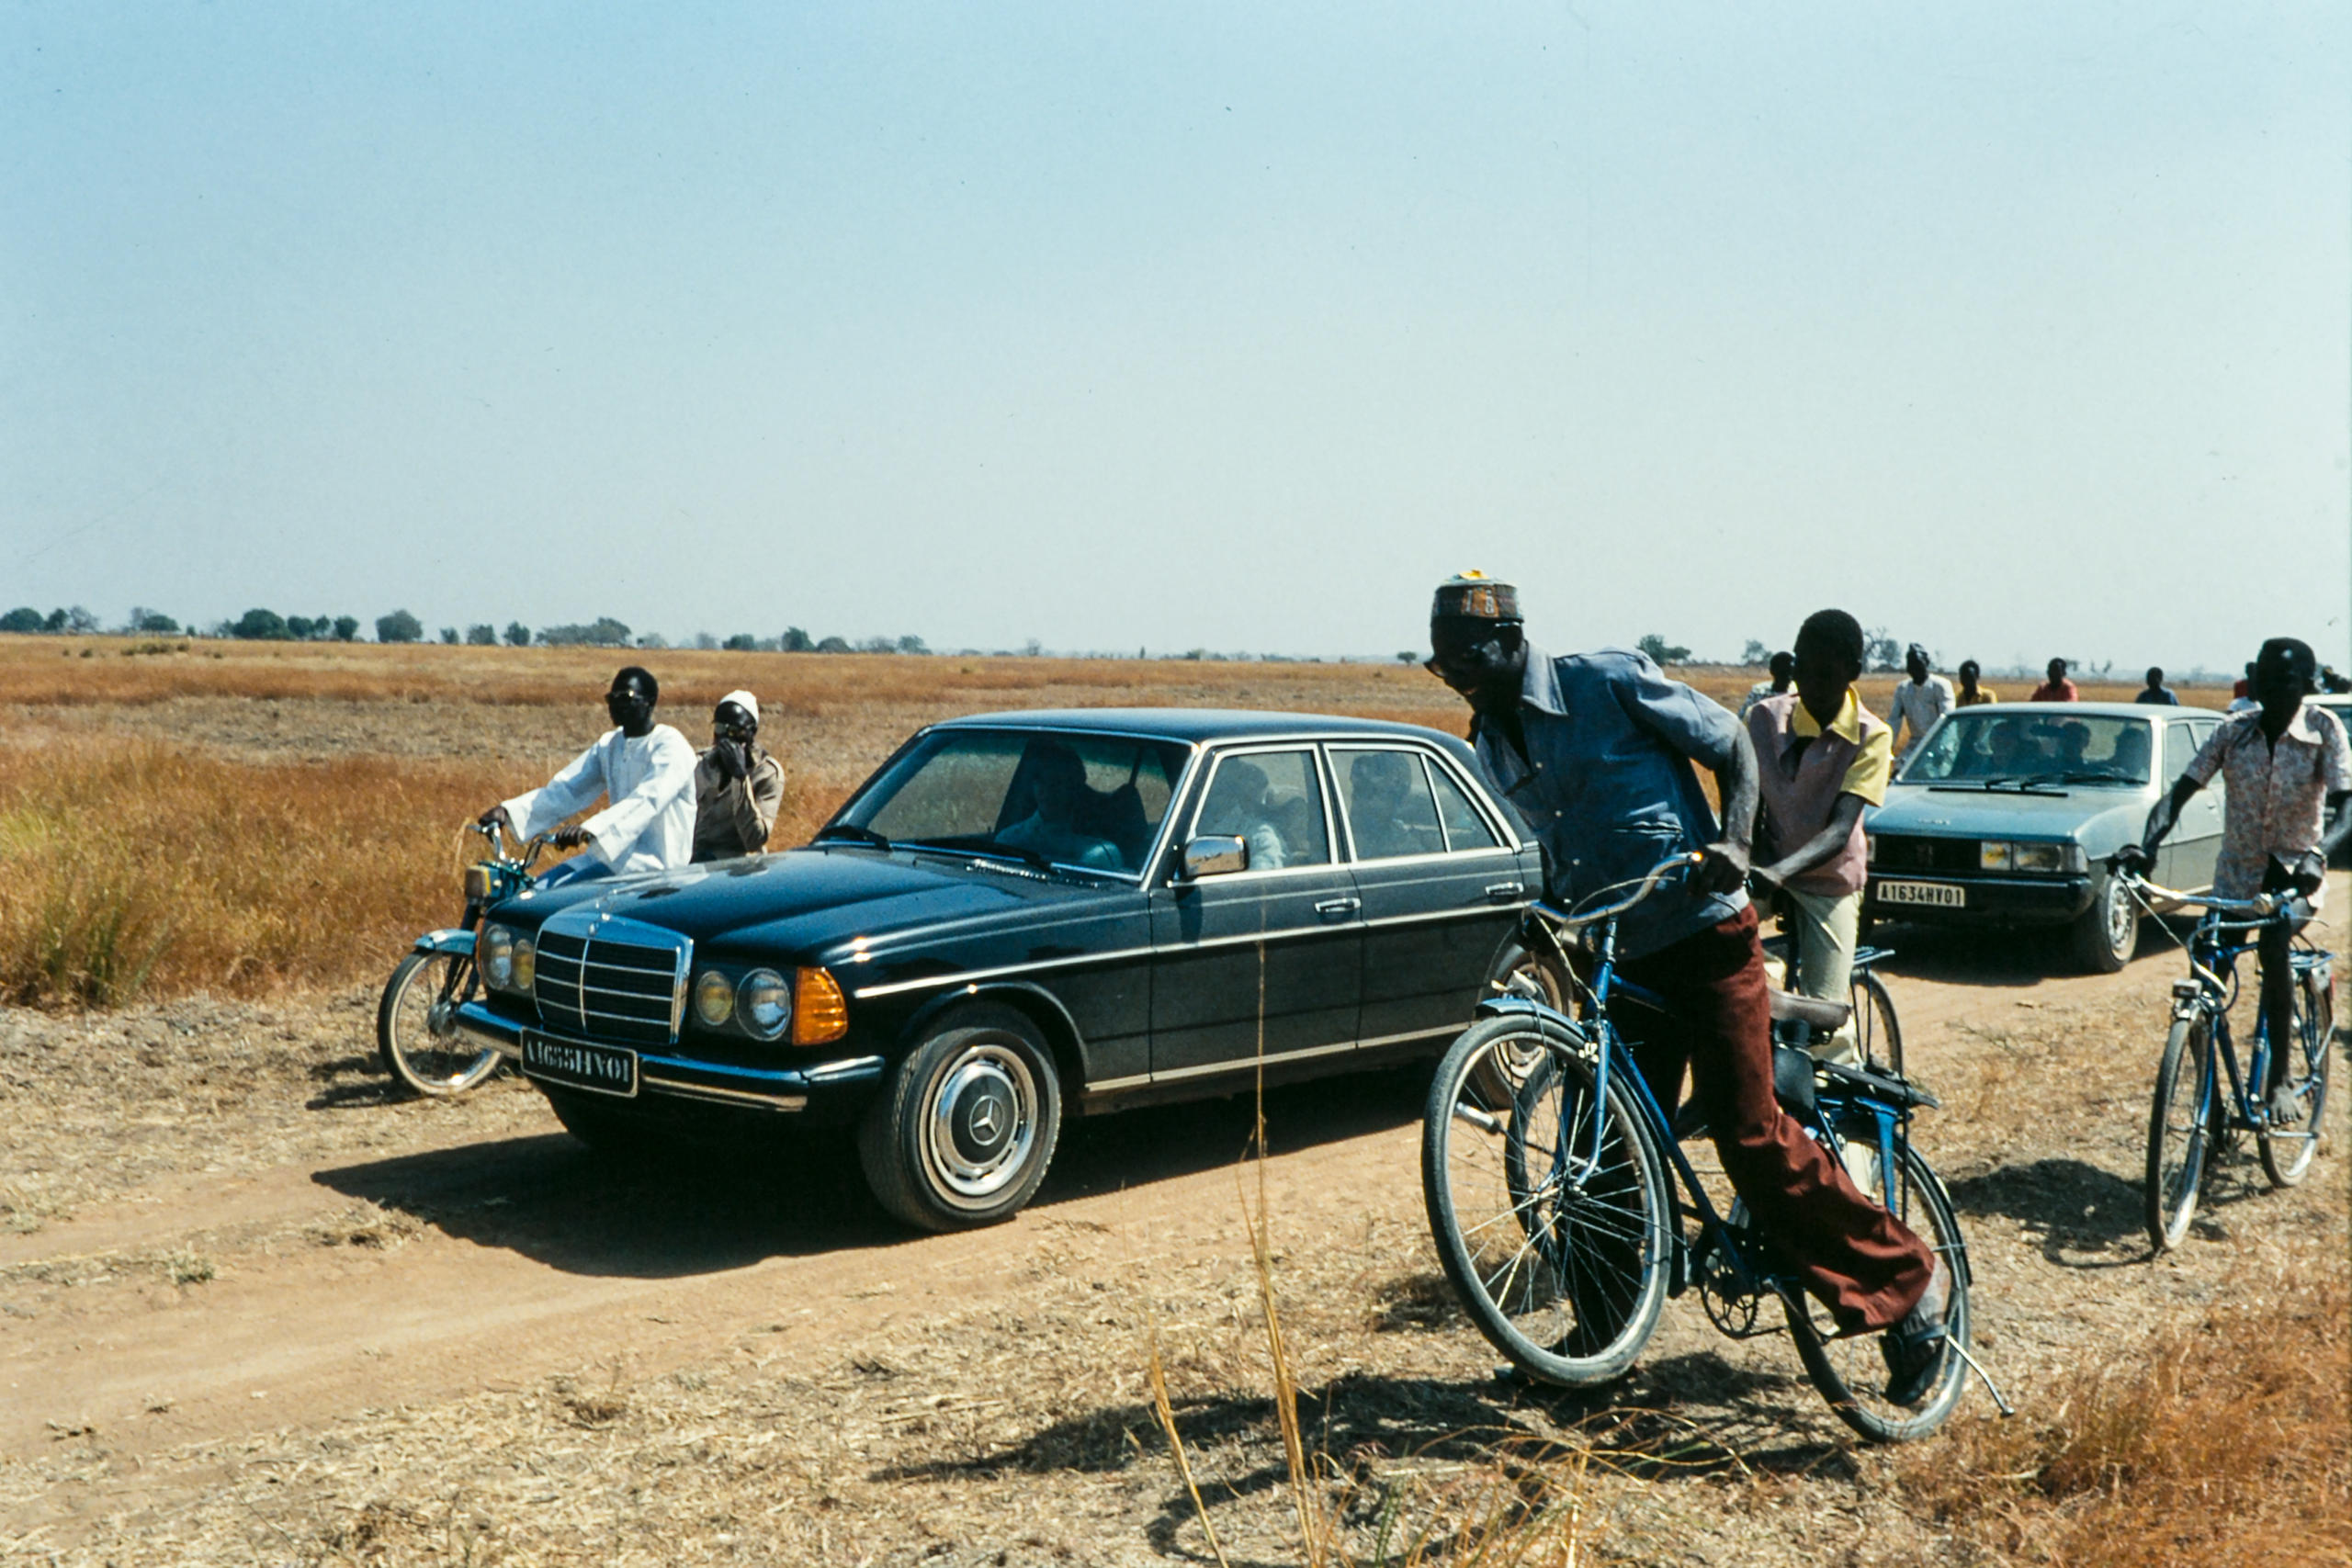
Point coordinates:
[[178, 817]]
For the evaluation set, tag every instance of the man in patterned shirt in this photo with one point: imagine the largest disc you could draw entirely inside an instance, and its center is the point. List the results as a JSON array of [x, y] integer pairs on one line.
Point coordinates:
[[2289, 768]]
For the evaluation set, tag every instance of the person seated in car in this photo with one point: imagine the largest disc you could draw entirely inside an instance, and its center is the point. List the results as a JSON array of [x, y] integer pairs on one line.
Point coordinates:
[[1380, 798], [1058, 783], [2132, 752], [1238, 806], [2073, 746]]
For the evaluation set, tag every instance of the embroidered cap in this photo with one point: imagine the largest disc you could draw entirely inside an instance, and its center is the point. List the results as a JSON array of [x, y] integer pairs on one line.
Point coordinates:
[[1476, 595]]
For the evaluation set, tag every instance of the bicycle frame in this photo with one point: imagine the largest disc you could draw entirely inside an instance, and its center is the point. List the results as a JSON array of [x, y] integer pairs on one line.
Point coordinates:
[[1594, 1026], [2210, 989]]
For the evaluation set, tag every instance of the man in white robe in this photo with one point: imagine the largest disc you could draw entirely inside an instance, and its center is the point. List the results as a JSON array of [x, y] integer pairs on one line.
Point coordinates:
[[644, 772]]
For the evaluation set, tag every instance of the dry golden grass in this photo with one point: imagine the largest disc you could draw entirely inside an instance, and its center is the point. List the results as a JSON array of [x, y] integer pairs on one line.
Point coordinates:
[[128, 865], [2222, 1442]]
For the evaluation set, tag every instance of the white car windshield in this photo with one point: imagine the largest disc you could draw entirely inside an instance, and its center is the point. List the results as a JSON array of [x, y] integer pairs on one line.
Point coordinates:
[[2022, 746], [1053, 799]]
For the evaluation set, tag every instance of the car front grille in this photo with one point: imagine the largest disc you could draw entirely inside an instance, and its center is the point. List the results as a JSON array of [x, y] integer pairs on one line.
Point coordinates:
[[612, 980], [1899, 852]]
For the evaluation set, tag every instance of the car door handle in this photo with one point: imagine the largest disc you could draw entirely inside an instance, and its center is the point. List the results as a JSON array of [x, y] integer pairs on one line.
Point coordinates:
[[1505, 889], [1338, 906]]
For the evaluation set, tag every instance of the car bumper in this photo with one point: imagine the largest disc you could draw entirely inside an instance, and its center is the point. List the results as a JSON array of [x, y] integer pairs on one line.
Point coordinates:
[[1989, 900], [827, 1091]]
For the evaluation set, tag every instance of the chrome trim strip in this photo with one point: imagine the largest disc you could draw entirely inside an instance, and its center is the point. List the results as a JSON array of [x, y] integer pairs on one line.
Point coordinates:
[[973, 977], [1461, 914], [676, 1091], [1133, 1080], [1244, 1064], [1446, 1028]]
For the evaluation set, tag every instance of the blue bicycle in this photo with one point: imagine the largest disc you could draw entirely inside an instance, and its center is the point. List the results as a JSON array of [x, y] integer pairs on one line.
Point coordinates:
[[1544, 1165], [2196, 1118]]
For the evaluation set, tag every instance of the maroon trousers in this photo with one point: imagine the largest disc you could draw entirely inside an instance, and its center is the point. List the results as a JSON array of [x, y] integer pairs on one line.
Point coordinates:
[[1853, 1256]]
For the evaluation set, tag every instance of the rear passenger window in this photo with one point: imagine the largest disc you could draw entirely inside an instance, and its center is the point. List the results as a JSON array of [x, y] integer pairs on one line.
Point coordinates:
[[2180, 745], [1389, 811], [1465, 828]]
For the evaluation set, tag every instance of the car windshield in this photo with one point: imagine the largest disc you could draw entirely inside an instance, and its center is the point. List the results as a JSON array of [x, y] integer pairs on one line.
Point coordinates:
[[1087, 802], [1994, 750]]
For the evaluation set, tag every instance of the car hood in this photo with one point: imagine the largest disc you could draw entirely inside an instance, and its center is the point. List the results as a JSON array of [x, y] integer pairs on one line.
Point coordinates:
[[805, 901], [2081, 813]]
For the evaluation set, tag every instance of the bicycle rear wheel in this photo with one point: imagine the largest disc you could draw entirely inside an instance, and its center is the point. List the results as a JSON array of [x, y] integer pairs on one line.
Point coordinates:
[[2287, 1148], [413, 1034], [1557, 1249], [1851, 1372], [2180, 1129], [1875, 1029]]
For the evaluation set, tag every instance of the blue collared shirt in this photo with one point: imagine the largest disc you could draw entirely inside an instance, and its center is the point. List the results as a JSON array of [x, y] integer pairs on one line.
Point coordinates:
[[1609, 784]]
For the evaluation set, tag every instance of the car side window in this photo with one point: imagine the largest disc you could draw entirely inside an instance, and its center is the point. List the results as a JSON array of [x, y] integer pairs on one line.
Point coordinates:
[[1465, 828], [2180, 746], [1272, 801], [1390, 810]]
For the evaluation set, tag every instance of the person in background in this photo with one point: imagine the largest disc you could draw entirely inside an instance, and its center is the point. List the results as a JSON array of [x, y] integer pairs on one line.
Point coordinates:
[[2242, 697], [1822, 760], [737, 785], [2057, 689], [644, 772], [2156, 691], [2332, 683], [1600, 752], [1784, 667], [1971, 694], [1921, 697], [2286, 766]]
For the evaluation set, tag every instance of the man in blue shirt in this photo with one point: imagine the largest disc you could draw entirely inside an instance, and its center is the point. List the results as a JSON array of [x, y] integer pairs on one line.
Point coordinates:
[[1597, 752]]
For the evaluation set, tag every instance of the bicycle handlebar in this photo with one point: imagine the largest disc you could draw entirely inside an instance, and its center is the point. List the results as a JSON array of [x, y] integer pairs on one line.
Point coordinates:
[[1657, 873], [2261, 907]]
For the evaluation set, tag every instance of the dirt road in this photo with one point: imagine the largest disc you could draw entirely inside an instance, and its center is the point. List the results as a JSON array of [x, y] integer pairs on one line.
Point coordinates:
[[376, 1257]]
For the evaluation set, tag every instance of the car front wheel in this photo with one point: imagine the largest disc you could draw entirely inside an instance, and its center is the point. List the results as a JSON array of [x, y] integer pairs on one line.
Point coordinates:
[[2106, 932], [968, 1125]]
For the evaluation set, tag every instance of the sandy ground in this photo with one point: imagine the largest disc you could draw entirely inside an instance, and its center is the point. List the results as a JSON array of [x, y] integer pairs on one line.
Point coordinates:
[[252, 1309]]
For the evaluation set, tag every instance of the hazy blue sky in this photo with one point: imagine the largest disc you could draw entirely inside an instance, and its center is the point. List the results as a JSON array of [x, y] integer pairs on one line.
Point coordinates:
[[2018, 329]]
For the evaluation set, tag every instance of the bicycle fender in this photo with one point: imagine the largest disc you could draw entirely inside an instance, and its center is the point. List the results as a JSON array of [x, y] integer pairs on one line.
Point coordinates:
[[1528, 1007], [445, 941]]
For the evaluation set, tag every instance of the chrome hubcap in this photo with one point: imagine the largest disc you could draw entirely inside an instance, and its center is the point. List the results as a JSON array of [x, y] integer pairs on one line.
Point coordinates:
[[981, 1123]]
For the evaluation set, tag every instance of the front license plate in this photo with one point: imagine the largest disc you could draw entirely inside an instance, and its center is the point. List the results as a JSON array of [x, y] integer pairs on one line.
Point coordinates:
[[1942, 893], [607, 1069]]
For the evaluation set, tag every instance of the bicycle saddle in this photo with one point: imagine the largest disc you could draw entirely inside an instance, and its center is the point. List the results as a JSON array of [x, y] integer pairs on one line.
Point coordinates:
[[1828, 1017]]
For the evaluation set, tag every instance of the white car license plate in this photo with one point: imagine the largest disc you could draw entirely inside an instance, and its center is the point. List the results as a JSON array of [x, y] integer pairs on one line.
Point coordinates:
[[604, 1069], [1942, 893]]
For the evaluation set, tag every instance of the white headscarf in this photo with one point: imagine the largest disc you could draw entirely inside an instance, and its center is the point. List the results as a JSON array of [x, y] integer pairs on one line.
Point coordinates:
[[748, 703]]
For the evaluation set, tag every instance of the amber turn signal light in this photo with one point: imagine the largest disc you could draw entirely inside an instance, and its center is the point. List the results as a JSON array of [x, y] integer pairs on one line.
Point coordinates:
[[819, 1012]]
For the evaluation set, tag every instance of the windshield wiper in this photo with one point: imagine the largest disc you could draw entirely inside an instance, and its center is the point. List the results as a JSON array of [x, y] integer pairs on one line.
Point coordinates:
[[2097, 775], [2020, 783], [851, 832]]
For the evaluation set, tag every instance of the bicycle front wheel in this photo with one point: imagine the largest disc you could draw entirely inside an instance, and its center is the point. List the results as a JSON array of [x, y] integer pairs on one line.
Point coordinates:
[[2180, 1129], [413, 1034], [1851, 1372], [2287, 1147], [1547, 1203]]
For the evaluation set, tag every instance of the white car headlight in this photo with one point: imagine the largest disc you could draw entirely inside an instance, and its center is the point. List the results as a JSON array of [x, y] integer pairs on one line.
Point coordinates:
[[2039, 857], [1996, 854], [766, 1002], [497, 956], [714, 998], [526, 964]]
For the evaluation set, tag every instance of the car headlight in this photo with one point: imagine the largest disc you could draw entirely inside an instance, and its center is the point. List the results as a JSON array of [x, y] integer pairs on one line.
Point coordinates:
[[2039, 857], [766, 1001], [714, 998], [497, 954], [1870, 849], [526, 964], [1996, 854]]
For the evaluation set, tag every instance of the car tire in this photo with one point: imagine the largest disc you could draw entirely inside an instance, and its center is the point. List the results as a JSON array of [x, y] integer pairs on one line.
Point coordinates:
[[2106, 933], [963, 1134]]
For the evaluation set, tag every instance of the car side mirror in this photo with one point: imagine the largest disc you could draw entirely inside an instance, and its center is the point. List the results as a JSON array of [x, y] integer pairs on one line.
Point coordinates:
[[1215, 854]]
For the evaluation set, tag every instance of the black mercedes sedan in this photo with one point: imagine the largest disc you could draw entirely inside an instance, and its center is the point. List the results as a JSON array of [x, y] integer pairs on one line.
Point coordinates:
[[1021, 914]]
